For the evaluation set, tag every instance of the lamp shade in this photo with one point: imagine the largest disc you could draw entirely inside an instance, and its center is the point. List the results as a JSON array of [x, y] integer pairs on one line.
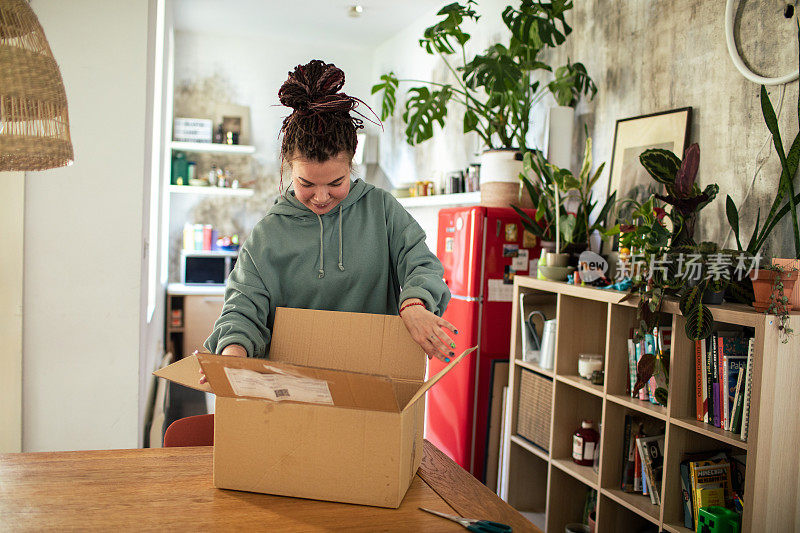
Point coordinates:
[[34, 125]]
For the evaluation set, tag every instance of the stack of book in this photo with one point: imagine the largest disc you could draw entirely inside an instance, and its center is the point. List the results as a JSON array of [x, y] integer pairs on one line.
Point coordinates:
[[657, 343], [711, 478], [723, 381], [642, 457]]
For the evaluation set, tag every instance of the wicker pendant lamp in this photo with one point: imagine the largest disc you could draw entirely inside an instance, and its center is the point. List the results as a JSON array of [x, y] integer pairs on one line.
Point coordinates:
[[34, 126]]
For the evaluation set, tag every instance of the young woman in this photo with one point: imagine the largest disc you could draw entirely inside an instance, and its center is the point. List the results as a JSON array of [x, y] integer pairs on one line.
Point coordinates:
[[329, 243]]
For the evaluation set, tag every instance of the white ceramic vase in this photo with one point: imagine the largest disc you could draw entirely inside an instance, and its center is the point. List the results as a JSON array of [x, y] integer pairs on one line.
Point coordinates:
[[560, 126]]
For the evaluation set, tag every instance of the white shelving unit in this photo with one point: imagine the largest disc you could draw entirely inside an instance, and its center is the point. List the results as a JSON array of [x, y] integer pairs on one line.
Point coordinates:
[[209, 191], [213, 148]]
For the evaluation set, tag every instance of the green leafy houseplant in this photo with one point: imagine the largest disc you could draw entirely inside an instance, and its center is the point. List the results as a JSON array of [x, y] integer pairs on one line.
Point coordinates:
[[496, 88], [683, 194], [540, 179]]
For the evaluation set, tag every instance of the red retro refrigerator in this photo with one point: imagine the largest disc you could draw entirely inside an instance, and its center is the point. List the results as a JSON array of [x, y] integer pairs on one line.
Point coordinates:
[[481, 249]]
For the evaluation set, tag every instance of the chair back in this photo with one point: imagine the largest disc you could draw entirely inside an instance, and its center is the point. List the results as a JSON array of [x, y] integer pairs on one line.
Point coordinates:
[[190, 431]]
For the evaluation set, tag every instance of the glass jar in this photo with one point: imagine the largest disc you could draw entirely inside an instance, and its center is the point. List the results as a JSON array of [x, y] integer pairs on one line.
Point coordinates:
[[588, 363]]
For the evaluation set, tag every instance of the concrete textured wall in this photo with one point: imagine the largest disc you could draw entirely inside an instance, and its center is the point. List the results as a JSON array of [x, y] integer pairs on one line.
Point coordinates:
[[653, 56], [645, 57]]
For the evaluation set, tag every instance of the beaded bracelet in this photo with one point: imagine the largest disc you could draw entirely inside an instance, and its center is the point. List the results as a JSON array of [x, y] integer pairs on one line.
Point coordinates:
[[409, 305]]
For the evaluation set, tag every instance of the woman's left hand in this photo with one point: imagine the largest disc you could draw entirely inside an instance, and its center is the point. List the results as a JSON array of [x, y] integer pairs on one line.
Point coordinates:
[[428, 330]]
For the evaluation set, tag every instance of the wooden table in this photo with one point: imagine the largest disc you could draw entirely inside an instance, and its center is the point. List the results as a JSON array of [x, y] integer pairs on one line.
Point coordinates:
[[171, 489]]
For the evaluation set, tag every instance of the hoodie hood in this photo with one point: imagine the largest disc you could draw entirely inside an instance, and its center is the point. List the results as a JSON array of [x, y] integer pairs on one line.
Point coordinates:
[[289, 205]]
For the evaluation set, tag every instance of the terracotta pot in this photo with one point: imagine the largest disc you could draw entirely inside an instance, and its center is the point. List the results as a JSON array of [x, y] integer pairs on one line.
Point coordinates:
[[763, 281], [789, 264]]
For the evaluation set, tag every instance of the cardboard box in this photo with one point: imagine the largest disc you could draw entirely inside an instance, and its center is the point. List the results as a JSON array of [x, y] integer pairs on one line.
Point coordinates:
[[361, 439]]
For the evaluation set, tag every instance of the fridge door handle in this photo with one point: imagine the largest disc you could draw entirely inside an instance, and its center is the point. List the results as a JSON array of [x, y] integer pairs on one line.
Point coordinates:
[[466, 298]]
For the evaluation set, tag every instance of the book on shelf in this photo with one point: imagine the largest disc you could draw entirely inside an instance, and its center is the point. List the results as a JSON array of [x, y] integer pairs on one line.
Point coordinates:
[[713, 473], [656, 343], [715, 418], [651, 452], [733, 357], [634, 463], [701, 398], [719, 361], [748, 388], [686, 493]]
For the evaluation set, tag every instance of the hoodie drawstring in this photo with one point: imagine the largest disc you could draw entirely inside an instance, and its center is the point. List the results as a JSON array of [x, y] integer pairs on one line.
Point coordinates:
[[321, 249], [321, 267], [341, 257]]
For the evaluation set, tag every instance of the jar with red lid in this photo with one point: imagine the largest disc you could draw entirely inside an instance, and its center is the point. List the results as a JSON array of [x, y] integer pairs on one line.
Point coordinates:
[[584, 444]]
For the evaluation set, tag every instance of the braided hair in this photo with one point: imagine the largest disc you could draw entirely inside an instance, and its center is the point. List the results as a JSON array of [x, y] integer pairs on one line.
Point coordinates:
[[320, 127]]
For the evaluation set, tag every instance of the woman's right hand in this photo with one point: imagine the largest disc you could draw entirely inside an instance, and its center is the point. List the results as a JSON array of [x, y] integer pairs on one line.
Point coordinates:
[[234, 350]]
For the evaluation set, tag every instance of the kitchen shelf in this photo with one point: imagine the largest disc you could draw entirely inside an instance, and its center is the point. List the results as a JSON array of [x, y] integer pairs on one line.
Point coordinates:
[[441, 200], [210, 191], [213, 148]]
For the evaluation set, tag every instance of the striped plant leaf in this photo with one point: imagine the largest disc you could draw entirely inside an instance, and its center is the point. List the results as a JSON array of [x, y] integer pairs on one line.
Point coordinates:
[[662, 165]]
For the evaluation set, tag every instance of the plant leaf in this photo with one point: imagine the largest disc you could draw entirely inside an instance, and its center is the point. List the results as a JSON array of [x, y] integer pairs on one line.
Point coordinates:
[[685, 178], [596, 176], [699, 321], [423, 108], [644, 371], [470, 120], [733, 218], [661, 164], [389, 87]]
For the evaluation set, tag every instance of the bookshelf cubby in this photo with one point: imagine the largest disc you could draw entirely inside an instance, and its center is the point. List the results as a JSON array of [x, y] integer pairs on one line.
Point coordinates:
[[598, 321]]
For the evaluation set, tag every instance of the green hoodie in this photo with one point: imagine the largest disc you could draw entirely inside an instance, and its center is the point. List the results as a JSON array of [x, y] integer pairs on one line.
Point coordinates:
[[355, 258]]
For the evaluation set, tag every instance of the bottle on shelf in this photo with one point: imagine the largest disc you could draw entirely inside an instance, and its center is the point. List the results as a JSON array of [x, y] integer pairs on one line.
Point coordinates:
[[584, 444], [180, 169]]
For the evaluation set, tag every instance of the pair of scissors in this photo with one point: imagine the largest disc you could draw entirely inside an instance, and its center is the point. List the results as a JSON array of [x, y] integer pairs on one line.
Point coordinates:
[[480, 526]]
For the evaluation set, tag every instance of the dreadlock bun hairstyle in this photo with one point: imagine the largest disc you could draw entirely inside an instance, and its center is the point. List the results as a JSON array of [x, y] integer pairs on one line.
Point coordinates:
[[320, 126]]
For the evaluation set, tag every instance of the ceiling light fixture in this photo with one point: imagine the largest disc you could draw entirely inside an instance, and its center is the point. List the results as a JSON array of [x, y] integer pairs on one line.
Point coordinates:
[[356, 10], [34, 126]]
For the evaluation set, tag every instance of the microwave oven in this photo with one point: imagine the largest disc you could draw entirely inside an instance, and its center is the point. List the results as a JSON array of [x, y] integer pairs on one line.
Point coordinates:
[[206, 268]]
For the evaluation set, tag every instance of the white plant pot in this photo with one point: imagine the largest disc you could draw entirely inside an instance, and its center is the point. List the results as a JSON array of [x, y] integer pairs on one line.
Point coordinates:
[[560, 126], [501, 166]]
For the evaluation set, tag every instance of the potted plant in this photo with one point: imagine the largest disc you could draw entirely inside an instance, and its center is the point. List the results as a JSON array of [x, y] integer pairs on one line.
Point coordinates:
[[495, 89], [548, 185], [771, 295], [537, 179], [682, 193], [744, 291]]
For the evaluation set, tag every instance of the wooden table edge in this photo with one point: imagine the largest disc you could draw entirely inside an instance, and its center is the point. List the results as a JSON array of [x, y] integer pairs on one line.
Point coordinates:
[[464, 493]]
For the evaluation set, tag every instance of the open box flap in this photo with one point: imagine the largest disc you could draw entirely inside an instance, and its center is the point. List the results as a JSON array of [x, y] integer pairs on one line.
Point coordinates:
[[316, 385], [432, 381], [358, 342], [185, 372]]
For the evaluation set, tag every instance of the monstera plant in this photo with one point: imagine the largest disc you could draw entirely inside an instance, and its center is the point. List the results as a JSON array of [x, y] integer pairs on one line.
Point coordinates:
[[495, 89]]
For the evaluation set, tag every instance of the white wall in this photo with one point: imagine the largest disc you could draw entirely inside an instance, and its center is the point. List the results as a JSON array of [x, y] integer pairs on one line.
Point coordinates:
[[11, 235], [255, 68], [83, 237]]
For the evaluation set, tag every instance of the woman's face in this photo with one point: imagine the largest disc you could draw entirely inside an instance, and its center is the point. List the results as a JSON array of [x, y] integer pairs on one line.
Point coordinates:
[[321, 186]]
